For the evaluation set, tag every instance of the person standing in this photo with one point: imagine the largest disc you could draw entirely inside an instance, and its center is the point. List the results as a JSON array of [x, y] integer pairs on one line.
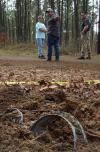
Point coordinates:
[[85, 36], [40, 36], [53, 34]]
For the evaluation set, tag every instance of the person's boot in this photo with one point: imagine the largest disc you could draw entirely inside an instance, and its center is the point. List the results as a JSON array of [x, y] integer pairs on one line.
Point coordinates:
[[42, 57], [81, 58], [89, 56], [48, 59]]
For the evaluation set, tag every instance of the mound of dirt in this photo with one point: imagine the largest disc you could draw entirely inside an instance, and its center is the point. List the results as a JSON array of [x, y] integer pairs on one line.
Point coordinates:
[[33, 100]]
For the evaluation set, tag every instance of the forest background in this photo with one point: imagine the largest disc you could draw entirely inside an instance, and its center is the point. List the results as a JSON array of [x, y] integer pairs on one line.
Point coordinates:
[[18, 19]]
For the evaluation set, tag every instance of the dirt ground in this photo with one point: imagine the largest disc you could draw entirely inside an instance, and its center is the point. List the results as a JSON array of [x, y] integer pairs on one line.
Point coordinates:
[[79, 97]]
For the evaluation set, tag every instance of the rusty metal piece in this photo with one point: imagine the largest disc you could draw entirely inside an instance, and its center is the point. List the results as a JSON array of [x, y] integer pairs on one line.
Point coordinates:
[[39, 126]]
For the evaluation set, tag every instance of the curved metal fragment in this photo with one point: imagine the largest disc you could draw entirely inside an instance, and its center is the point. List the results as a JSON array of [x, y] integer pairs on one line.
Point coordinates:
[[14, 115], [37, 127], [20, 116], [78, 127]]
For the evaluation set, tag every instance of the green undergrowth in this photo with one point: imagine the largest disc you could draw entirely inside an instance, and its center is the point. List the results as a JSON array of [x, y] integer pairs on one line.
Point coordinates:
[[18, 50]]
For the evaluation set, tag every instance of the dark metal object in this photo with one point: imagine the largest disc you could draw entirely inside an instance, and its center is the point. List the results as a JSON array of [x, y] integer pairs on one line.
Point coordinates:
[[39, 126]]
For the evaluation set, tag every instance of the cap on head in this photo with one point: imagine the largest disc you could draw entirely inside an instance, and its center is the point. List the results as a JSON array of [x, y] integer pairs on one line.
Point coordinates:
[[49, 10]]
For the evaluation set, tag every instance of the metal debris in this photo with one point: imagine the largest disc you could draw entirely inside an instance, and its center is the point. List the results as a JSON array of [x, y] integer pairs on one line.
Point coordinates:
[[14, 115], [78, 132]]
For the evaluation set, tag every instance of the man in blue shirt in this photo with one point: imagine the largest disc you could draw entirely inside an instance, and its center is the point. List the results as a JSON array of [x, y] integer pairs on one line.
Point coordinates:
[[40, 36]]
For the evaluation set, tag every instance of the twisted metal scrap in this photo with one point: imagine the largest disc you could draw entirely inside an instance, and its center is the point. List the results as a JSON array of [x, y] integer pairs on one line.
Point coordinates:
[[18, 118], [76, 127]]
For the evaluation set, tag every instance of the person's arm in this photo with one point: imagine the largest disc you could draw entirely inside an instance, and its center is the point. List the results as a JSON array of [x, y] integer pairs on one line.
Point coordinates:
[[43, 30], [86, 27]]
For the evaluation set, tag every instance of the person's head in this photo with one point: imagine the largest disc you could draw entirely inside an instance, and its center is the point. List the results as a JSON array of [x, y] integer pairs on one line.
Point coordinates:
[[49, 12], [40, 18], [83, 14]]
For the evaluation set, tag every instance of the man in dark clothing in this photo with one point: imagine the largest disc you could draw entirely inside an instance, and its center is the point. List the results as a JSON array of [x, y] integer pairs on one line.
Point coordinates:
[[53, 34], [85, 36]]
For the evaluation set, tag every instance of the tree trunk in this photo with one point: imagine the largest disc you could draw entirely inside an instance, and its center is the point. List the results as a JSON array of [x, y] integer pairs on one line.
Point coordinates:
[[61, 23], [58, 7], [52, 4], [98, 48], [66, 22], [77, 29], [85, 5]]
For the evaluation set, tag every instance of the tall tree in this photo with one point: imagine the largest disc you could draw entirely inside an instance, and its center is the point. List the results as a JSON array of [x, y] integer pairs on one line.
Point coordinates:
[[58, 7], [98, 48], [85, 5], [52, 4], [2, 23], [61, 21], [2, 16], [66, 21], [23, 23], [77, 29], [19, 20]]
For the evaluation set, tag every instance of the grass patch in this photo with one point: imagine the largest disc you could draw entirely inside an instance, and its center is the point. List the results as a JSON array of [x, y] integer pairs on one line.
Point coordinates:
[[18, 50]]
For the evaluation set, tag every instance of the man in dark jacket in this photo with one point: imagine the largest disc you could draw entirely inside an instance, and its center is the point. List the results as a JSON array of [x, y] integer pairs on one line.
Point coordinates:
[[53, 34]]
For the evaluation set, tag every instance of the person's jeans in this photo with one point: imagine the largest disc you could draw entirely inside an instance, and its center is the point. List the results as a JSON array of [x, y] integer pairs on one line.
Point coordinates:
[[40, 45], [53, 41]]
